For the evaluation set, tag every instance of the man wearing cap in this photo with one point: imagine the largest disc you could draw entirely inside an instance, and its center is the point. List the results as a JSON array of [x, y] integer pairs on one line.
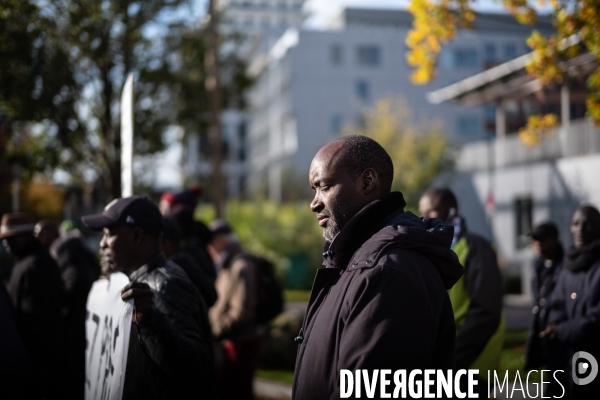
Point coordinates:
[[170, 353], [548, 264], [36, 290]]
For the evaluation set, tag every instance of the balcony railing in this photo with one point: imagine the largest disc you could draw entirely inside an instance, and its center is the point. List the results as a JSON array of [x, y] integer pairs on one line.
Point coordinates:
[[581, 138]]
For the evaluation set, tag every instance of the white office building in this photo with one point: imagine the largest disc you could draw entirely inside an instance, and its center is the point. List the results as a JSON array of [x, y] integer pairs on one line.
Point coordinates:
[[260, 23], [312, 83]]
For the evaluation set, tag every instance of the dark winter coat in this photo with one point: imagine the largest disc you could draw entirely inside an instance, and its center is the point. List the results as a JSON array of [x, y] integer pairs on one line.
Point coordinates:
[[176, 358], [543, 352], [37, 294], [79, 269], [576, 311], [16, 375], [204, 283], [381, 301]]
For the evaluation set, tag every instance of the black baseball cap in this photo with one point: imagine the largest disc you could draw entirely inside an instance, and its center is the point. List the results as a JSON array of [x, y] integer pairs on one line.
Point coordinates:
[[133, 211], [544, 231]]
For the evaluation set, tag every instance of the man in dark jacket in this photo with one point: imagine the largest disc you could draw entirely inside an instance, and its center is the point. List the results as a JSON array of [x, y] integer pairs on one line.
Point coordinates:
[[477, 296], [547, 266], [37, 294], [170, 243], [79, 269], [381, 301], [170, 352], [575, 310]]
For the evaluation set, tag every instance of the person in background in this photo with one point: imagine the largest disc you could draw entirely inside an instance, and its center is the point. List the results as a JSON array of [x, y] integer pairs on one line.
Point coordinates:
[[16, 375], [170, 246], [574, 320], [195, 236], [187, 197], [477, 296], [79, 269], [171, 357], [539, 353], [36, 290], [233, 317], [46, 232]]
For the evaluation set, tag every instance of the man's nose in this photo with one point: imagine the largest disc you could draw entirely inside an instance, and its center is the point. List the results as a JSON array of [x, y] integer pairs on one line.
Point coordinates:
[[103, 242], [316, 204]]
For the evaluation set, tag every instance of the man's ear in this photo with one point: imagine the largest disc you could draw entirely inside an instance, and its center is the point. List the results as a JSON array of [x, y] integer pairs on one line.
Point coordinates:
[[370, 181], [137, 235]]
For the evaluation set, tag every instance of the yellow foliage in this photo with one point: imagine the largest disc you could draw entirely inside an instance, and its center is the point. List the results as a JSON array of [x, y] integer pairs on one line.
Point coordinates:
[[419, 153], [436, 22], [537, 127], [42, 198]]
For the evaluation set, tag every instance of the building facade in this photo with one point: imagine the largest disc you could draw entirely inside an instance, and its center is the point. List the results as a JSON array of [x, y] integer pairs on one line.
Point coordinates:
[[313, 83]]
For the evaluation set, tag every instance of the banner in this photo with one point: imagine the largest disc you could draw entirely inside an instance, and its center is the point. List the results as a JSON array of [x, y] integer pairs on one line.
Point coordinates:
[[107, 328], [127, 138]]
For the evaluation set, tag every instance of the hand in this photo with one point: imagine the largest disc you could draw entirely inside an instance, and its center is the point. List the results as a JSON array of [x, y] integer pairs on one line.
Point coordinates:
[[143, 299], [549, 332]]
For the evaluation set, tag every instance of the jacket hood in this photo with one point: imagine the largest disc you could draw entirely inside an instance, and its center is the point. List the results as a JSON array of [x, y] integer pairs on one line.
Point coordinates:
[[361, 242], [431, 237]]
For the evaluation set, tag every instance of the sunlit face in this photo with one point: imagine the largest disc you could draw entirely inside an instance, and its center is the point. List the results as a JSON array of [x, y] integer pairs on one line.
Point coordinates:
[[337, 196]]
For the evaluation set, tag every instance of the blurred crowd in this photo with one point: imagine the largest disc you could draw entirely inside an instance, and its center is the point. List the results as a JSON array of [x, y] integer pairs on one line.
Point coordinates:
[[197, 287], [199, 298]]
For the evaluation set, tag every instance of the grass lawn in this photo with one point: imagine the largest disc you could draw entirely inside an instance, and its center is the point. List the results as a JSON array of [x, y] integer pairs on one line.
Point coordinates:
[[278, 376], [512, 358], [296, 295]]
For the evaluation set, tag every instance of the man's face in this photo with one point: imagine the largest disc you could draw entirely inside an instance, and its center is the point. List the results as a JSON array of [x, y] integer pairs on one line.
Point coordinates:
[[15, 244], [338, 197], [544, 248], [117, 246], [433, 208], [584, 228]]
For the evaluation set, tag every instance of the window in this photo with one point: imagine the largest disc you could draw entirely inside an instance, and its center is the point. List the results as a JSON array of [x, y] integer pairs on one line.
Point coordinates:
[[458, 58], [467, 127], [510, 51], [336, 124], [336, 54], [368, 55], [489, 52], [466, 58], [362, 90], [523, 208]]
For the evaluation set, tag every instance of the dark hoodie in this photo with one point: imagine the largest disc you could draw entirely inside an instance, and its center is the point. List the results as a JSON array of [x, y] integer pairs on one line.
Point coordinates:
[[381, 301]]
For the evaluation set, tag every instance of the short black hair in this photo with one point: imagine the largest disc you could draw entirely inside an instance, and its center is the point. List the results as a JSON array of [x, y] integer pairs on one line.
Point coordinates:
[[360, 153], [444, 195]]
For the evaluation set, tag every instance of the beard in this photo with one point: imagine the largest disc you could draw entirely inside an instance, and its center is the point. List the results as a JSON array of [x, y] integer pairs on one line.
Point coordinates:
[[339, 214], [332, 229]]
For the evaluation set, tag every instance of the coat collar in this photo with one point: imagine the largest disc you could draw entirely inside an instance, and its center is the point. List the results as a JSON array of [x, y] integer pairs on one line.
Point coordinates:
[[360, 228]]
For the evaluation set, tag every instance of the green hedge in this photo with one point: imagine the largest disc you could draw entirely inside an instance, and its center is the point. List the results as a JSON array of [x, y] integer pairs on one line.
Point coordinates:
[[284, 233]]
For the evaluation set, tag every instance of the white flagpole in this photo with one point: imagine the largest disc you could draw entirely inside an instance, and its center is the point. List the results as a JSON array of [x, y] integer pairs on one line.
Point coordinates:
[[127, 138]]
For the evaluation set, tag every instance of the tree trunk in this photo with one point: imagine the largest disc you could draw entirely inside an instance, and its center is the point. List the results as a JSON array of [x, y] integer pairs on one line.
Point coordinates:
[[212, 84]]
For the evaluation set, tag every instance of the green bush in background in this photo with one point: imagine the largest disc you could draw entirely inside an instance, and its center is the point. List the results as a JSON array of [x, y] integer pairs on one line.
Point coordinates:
[[287, 234]]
